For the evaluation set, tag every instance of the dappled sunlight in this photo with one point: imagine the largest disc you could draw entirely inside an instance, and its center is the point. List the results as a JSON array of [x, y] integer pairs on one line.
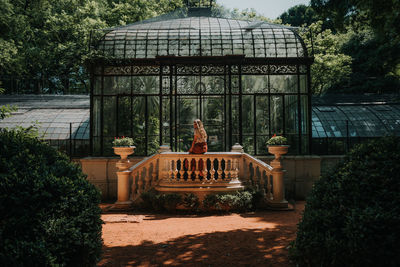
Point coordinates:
[[248, 247], [250, 239]]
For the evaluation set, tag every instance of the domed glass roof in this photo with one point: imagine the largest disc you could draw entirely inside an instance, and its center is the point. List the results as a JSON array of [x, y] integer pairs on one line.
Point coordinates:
[[202, 36]]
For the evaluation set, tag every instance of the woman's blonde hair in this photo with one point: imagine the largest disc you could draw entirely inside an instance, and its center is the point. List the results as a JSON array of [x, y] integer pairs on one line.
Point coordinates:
[[200, 130]]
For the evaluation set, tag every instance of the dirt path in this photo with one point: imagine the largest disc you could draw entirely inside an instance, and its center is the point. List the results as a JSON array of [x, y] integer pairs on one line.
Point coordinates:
[[248, 239]]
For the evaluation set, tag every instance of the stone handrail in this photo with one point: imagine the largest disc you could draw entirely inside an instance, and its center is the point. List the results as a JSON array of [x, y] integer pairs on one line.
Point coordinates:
[[144, 175], [209, 172], [268, 179]]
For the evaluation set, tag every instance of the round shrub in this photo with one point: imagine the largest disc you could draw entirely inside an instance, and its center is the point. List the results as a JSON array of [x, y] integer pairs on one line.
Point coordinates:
[[191, 201], [49, 211], [238, 201], [352, 215]]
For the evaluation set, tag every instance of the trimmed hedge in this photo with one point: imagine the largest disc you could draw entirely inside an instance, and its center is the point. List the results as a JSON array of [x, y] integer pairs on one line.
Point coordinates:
[[352, 215], [49, 211]]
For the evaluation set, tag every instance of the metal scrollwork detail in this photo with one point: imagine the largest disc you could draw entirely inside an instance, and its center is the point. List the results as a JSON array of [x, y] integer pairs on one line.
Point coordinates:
[[212, 69], [165, 70], [138, 70], [235, 69], [117, 70], [255, 69], [182, 70], [287, 69]]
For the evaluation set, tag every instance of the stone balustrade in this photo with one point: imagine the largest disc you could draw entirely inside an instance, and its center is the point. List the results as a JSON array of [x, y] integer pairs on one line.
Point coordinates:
[[201, 174]]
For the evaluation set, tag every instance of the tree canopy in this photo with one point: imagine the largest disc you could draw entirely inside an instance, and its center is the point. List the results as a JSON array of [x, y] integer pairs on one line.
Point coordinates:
[[45, 42]]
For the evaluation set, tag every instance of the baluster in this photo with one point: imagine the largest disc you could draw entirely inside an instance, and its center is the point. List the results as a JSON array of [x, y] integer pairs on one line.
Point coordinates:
[[190, 169], [212, 170], [170, 171], [251, 173], [245, 172], [269, 187], [147, 179], [140, 182], [176, 171], [133, 188], [205, 171], [260, 179], [182, 170], [219, 171], [153, 178], [228, 170], [197, 171], [235, 166]]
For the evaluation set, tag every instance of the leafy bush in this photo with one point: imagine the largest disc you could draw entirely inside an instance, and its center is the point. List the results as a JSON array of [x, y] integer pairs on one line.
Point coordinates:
[[352, 216], [50, 213], [171, 201], [123, 142], [277, 140], [211, 201], [191, 201], [152, 200], [239, 201]]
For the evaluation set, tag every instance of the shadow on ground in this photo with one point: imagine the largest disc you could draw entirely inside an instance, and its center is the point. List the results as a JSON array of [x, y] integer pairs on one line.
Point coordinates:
[[244, 247]]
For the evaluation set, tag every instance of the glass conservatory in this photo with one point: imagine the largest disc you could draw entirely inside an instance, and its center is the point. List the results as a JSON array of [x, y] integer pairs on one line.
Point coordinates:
[[246, 80]]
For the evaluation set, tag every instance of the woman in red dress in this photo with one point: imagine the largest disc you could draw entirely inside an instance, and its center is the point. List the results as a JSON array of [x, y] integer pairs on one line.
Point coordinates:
[[199, 145]]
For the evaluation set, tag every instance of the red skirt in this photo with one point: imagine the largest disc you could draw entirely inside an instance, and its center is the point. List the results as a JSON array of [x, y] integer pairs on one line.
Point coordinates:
[[199, 148]]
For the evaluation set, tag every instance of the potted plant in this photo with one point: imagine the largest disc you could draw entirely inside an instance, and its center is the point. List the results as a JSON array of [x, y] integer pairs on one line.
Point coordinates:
[[277, 145], [123, 147]]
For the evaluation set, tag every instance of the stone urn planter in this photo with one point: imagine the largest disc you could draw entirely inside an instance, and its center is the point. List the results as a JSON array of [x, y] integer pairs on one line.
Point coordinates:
[[278, 151], [123, 152]]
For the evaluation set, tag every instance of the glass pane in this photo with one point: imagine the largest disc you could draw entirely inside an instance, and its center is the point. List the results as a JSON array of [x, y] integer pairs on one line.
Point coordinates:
[[283, 83], [276, 115], [291, 114], [262, 115], [248, 144], [247, 114], [254, 84], [124, 116], [213, 119], [213, 84], [139, 109], [109, 116], [146, 84], [188, 111], [303, 83], [110, 85], [153, 128], [96, 116], [166, 124], [124, 84], [97, 85]]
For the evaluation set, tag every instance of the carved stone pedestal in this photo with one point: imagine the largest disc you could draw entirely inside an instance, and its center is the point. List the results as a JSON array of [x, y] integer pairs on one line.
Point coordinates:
[[278, 201], [123, 174]]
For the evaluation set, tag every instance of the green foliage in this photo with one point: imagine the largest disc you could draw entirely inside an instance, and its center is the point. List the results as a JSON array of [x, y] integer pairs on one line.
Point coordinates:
[[47, 41], [277, 140], [373, 40], [299, 15], [239, 201], [171, 201], [191, 201], [50, 213], [152, 200], [331, 66], [123, 142], [352, 216]]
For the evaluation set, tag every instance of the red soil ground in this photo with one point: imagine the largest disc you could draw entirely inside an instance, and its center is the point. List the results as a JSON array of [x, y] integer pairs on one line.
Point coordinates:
[[246, 239]]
